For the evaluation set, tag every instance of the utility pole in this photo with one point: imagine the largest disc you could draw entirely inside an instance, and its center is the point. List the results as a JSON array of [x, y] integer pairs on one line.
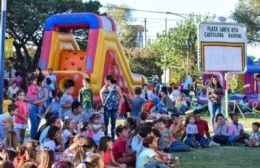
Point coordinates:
[[2, 50], [165, 58], [145, 33]]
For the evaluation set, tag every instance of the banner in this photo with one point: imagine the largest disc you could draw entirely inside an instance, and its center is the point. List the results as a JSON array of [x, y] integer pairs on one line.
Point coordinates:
[[9, 47]]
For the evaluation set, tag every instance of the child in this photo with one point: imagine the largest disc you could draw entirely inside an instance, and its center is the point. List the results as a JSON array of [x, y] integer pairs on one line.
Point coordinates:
[[191, 132], [180, 104], [105, 150], [21, 118], [236, 130], [12, 110], [77, 113], [86, 130], [125, 107], [244, 104], [47, 158], [66, 99], [67, 131], [148, 157], [137, 103], [11, 140], [175, 94], [97, 128], [254, 139], [85, 95], [177, 129], [143, 117], [12, 90], [55, 104], [32, 91], [120, 152]]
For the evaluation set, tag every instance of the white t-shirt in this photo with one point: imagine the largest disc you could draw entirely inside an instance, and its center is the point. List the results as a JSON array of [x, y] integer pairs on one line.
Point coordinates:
[[12, 91], [145, 157], [187, 84], [191, 129]]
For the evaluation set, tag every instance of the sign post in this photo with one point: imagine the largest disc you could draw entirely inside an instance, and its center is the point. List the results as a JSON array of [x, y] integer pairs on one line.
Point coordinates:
[[222, 48], [2, 50]]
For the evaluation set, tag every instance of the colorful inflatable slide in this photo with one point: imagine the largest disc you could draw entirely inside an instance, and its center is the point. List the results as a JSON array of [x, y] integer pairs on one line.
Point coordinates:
[[104, 54]]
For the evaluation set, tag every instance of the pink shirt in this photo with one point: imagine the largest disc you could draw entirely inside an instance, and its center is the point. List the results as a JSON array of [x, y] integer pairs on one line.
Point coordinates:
[[22, 111], [32, 92]]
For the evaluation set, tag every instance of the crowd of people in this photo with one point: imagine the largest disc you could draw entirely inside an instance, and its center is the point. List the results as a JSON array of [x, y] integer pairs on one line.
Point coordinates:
[[75, 132]]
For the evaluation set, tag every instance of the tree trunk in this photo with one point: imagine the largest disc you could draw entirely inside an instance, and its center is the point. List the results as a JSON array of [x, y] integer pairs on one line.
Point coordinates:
[[37, 54]]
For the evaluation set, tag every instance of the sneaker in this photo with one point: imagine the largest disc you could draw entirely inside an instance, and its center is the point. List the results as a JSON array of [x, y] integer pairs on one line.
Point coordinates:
[[212, 143]]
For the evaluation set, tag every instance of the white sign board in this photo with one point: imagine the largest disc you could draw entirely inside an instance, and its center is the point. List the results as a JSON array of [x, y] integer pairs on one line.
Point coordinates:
[[222, 47]]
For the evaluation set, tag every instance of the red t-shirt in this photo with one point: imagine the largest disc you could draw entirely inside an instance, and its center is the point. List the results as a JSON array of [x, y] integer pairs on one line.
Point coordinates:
[[107, 157], [202, 126], [119, 148]]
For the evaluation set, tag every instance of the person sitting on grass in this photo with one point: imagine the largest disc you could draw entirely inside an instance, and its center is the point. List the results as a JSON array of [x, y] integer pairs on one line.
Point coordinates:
[[180, 104], [105, 150], [203, 129], [143, 116], [77, 113], [120, 152], [177, 129], [236, 130], [149, 158], [221, 130], [254, 138], [191, 132]]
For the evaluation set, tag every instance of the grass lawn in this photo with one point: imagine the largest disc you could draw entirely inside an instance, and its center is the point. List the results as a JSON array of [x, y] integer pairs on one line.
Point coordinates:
[[221, 157]]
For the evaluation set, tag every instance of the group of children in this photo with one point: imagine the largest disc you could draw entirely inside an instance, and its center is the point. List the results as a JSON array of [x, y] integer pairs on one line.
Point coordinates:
[[73, 134]]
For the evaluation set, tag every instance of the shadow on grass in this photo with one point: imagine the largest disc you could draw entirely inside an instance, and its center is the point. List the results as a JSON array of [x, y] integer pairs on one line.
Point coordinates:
[[221, 157]]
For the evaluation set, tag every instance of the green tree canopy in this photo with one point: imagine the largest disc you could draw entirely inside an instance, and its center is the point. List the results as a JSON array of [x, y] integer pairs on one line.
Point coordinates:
[[177, 48], [248, 13], [25, 23]]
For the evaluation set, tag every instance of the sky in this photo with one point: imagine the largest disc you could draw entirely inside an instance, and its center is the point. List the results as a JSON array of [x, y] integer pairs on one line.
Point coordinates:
[[156, 22]]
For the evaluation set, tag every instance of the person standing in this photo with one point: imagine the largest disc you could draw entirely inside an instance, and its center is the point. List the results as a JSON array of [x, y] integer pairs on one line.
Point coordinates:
[[214, 95], [52, 77], [187, 86], [85, 96], [257, 79], [111, 96]]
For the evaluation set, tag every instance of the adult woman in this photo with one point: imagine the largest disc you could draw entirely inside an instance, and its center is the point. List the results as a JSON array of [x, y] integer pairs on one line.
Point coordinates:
[[111, 96], [221, 131], [53, 140], [37, 107], [214, 94]]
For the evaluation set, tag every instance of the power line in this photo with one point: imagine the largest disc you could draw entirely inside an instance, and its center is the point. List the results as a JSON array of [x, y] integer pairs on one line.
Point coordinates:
[[182, 15]]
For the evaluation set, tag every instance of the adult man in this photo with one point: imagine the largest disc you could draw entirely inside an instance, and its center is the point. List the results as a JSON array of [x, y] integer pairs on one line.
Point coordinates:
[[203, 129]]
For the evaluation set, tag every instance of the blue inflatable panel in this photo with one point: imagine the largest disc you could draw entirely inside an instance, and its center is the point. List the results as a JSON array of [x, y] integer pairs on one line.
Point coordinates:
[[73, 19], [253, 69]]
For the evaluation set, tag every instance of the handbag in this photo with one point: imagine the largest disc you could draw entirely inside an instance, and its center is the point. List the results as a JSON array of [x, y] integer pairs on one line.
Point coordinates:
[[108, 96]]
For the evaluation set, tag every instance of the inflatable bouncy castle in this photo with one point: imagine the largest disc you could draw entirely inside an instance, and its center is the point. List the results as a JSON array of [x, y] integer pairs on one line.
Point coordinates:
[[102, 56]]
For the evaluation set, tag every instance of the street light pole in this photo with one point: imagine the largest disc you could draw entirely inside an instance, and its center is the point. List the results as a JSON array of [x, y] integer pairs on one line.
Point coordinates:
[[2, 50]]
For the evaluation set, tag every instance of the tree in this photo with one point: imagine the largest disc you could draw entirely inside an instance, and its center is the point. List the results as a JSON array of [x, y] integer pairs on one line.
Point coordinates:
[[126, 33], [25, 23], [177, 48], [144, 61], [248, 13]]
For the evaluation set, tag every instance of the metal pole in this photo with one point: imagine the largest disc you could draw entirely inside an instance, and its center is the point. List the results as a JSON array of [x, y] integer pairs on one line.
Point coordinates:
[[2, 50], [145, 33]]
